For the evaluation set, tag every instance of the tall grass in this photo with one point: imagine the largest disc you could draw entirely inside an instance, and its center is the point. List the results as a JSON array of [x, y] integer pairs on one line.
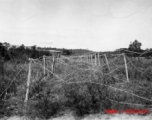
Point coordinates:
[[85, 90]]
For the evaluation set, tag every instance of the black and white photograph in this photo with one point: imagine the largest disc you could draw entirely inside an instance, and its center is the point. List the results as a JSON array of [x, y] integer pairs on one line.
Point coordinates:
[[75, 59]]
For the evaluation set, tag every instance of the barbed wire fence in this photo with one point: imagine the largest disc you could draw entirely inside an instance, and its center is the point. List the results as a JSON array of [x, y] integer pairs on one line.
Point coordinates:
[[116, 72], [90, 67]]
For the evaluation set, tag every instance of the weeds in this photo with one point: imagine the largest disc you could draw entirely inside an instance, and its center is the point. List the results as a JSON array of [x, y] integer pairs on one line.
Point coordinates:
[[48, 97]]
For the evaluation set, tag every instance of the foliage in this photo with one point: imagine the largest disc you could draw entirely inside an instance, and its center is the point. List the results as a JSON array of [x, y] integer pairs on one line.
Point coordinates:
[[21, 53], [86, 98], [66, 52], [135, 46], [4, 53]]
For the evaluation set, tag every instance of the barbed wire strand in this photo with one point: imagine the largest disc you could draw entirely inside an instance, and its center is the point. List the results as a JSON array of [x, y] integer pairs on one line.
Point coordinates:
[[11, 82], [62, 80]]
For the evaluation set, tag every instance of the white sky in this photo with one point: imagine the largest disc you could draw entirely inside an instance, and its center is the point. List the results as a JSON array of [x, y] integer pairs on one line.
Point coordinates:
[[94, 24]]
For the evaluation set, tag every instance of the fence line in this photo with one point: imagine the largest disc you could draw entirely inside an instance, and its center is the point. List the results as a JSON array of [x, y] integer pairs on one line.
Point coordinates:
[[62, 80], [97, 59]]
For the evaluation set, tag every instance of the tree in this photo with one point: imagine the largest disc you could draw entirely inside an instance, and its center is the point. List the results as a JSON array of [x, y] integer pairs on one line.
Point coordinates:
[[66, 52], [34, 52], [4, 52], [135, 46], [7, 45]]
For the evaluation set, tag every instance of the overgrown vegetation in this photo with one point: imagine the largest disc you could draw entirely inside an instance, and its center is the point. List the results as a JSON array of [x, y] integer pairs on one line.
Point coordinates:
[[85, 90]]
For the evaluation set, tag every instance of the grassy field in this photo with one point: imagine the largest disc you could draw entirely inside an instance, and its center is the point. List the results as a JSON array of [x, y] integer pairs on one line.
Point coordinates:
[[85, 89]]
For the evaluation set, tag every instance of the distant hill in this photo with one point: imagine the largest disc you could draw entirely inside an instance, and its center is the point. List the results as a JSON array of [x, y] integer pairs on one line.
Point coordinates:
[[72, 51]]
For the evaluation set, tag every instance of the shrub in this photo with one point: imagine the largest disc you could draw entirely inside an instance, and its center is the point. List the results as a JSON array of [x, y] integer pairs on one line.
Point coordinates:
[[86, 98]]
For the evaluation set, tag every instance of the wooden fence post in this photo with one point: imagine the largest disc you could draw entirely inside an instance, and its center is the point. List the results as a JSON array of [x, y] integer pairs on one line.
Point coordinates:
[[57, 58], [28, 81], [98, 58], [107, 61], [44, 65], [53, 64], [126, 67], [87, 59], [91, 59], [95, 59]]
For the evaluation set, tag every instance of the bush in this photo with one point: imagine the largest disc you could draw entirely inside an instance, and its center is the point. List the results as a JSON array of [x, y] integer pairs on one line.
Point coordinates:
[[86, 98], [45, 108]]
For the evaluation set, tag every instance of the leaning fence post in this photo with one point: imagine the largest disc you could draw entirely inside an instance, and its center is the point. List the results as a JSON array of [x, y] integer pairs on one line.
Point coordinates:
[[28, 81], [107, 61], [53, 64], [126, 67], [44, 65]]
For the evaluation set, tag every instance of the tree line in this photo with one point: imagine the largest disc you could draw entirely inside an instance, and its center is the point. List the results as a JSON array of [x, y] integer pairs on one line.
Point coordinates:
[[22, 53]]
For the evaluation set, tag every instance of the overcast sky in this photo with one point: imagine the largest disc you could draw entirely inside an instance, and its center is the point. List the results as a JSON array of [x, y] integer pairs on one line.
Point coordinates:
[[94, 24]]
